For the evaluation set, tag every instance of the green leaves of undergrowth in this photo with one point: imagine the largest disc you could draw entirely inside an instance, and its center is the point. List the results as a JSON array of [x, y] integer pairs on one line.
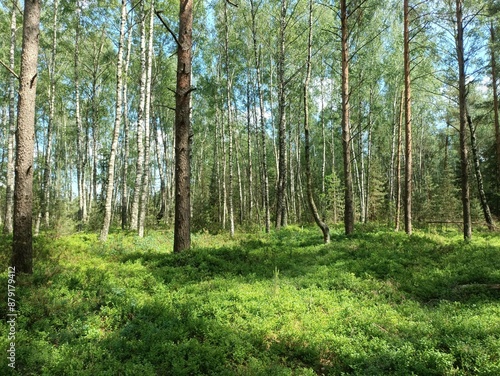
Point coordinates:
[[377, 303]]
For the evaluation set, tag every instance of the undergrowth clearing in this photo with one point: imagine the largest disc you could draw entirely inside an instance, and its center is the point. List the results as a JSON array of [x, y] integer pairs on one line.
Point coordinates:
[[376, 303]]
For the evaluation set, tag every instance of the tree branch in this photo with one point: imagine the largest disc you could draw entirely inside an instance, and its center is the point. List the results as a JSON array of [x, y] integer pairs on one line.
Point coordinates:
[[10, 70], [158, 14]]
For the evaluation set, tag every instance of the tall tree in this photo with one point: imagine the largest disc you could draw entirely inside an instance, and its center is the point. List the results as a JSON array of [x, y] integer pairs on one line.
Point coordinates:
[[281, 188], [147, 126], [139, 166], [462, 98], [262, 122], [495, 97], [346, 126], [182, 225], [116, 130], [310, 197], [22, 246], [407, 104], [9, 191]]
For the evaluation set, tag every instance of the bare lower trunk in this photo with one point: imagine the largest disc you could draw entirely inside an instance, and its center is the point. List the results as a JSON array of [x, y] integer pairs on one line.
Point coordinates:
[[495, 100], [136, 202], [22, 256], [467, 223], [310, 197], [479, 177], [147, 127], [116, 131], [281, 188], [346, 127], [126, 128], [408, 145], [9, 191], [182, 237]]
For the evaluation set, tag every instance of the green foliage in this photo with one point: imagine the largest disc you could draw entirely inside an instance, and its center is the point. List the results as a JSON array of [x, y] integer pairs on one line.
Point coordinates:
[[376, 303]]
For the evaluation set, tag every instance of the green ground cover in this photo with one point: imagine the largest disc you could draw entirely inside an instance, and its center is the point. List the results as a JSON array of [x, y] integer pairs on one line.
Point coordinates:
[[377, 303]]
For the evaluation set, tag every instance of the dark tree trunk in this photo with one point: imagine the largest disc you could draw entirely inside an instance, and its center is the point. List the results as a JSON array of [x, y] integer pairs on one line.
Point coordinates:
[[462, 97], [22, 257], [310, 198], [182, 236], [408, 144], [495, 100], [346, 127], [479, 177]]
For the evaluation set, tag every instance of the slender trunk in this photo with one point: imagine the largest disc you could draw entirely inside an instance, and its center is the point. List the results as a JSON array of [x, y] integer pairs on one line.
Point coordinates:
[[462, 92], [147, 127], [116, 131], [229, 120], [310, 197], [81, 143], [161, 171], [346, 127], [398, 165], [281, 188], [136, 202], [263, 133], [249, 155], [22, 246], [182, 237], [495, 99], [408, 144], [9, 191], [126, 128], [45, 204], [479, 177]]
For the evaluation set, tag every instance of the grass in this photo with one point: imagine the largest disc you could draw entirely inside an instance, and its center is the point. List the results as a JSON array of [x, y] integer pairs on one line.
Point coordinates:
[[376, 303]]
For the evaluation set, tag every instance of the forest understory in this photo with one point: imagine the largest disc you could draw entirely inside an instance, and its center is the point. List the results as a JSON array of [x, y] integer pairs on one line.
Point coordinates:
[[375, 303]]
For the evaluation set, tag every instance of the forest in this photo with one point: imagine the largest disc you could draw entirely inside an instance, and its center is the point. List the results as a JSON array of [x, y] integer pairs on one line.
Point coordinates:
[[250, 187]]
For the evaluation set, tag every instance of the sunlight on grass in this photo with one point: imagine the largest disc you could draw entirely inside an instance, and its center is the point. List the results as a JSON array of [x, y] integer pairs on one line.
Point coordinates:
[[377, 303]]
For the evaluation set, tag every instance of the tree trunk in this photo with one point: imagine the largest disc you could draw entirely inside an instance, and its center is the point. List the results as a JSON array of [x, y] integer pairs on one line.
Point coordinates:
[[136, 202], [408, 144], [263, 133], [116, 131], [479, 177], [22, 256], [346, 127], [45, 204], [462, 97], [310, 197], [229, 120], [495, 100], [81, 143], [126, 128], [182, 237], [249, 155], [281, 188], [9, 191], [147, 127], [398, 165]]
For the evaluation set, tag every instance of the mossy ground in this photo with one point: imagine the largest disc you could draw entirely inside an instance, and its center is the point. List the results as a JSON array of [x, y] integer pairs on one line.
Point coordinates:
[[376, 303]]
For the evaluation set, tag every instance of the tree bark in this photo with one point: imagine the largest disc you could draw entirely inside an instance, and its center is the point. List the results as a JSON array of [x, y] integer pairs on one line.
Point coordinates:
[[9, 191], [495, 99], [182, 236], [22, 256], [462, 97], [281, 188], [310, 198], [116, 131], [136, 202], [408, 139], [126, 131], [147, 127], [479, 177], [263, 133], [398, 165], [346, 127]]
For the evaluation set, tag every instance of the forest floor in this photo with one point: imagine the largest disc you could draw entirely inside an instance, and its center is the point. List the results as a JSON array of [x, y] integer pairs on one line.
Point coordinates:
[[376, 303]]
